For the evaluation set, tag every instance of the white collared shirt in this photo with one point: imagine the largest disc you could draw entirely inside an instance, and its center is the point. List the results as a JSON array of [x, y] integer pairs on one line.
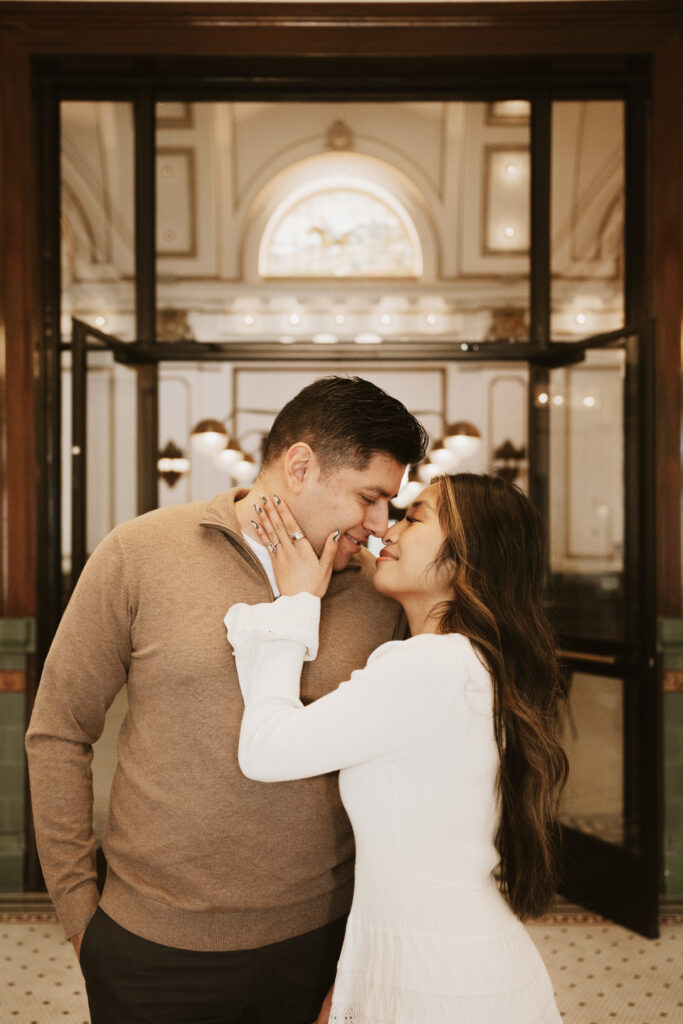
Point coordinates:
[[266, 561]]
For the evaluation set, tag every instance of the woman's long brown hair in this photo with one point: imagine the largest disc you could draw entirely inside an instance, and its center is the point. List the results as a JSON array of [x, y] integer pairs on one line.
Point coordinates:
[[495, 552]]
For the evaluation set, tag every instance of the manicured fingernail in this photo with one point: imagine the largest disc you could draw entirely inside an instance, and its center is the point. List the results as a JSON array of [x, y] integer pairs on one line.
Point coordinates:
[[337, 535], [263, 499], [254, 524], [258, 509], [276, 500]]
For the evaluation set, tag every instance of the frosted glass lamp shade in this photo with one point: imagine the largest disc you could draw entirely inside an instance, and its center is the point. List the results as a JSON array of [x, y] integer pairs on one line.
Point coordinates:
[[443, 457], [408, 494], [228, 457], [462, 439], [245, 471], [209, 436], [427, 471]]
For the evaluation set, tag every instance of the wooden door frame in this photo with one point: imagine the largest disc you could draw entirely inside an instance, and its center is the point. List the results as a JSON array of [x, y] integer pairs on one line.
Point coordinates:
[[140, 33]]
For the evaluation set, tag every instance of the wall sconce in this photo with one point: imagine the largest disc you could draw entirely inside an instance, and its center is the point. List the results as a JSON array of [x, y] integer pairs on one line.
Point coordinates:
[[461, 440], [172, 464], [508, 461], [211, 438]]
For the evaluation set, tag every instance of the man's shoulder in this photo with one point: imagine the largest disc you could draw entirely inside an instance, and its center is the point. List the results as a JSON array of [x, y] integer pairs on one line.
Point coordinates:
[[162, 520]]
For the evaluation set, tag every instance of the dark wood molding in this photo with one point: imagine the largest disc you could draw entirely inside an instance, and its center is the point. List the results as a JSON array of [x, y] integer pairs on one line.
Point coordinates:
[[18, 331], [666, 254], [403, 29]]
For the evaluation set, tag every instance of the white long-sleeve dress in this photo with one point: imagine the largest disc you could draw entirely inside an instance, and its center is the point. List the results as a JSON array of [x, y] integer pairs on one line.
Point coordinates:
[[429, 939]]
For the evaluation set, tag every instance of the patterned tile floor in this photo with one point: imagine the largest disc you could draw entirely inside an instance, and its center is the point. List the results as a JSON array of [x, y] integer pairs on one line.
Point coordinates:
[[602, 974]]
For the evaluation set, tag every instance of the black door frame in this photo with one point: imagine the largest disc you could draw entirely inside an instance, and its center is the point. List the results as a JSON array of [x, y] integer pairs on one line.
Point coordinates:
[[597, 873]]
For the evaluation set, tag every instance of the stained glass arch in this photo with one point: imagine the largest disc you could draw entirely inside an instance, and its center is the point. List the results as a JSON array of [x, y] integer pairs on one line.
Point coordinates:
[[339, 226]]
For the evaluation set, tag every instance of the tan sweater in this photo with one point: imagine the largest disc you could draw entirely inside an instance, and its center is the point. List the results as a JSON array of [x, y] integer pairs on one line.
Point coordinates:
[[199, 857]]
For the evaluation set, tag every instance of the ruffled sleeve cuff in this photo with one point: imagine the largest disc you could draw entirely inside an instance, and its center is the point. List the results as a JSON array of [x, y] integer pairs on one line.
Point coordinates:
[[289, 618]]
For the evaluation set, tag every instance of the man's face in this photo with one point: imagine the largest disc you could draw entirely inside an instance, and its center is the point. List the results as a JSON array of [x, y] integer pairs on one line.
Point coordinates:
[[355, 501]]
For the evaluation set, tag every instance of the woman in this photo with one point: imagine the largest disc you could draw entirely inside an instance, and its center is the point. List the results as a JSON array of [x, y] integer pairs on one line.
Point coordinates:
[[449, 750]]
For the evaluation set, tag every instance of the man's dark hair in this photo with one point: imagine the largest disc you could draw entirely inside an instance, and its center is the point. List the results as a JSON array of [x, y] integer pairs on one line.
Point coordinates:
[[347, 420]]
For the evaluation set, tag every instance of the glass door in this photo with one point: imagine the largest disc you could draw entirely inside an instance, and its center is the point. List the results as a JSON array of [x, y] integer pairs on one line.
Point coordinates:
[[594, 478], [103, 465]]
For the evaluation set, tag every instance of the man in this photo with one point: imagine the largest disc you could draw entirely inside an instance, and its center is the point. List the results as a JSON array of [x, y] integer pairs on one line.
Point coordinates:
[[225, 899]]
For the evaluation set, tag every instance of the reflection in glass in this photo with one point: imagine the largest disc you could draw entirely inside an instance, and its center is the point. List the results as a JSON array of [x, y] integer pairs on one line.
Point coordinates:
[[586, 494], [587, 218], [594, 798], [111, 462], [97, 216], [425, 205]]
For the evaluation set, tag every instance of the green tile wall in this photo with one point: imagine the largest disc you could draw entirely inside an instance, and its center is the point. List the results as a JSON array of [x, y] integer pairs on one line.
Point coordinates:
[[12, 776], [673, 792]]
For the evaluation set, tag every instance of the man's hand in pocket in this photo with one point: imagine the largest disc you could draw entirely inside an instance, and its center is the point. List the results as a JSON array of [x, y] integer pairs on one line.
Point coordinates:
[[76, 943]]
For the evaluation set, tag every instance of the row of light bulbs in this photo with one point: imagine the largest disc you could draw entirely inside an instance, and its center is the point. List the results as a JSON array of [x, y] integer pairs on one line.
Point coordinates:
[[366, 337], [543, 398]]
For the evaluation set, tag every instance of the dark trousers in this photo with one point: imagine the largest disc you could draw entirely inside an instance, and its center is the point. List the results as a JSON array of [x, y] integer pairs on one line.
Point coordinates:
[[130, 980]]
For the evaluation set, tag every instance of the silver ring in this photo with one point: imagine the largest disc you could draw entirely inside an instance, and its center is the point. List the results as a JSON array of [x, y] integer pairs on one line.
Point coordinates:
[[273, 547], [299, 535]]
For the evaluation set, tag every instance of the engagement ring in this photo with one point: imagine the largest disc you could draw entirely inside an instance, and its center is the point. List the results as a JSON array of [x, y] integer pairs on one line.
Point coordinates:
[[272, 547]]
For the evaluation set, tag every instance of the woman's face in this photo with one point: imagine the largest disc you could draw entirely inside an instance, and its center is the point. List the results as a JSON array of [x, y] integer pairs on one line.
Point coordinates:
[[405, 569]]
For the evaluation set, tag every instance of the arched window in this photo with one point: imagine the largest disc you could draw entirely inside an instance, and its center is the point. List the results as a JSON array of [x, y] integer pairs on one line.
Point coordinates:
[[340, 227]]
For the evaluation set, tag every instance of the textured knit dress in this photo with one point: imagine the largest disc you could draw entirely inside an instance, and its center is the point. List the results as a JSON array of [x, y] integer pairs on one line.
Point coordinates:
[[429, 940]]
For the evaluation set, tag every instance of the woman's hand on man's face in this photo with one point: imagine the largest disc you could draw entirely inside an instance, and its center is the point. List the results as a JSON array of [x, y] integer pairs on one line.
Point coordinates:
[[296, 566]]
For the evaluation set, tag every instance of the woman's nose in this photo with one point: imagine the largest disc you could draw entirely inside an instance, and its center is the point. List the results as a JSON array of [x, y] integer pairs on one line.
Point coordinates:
[[391, 536]]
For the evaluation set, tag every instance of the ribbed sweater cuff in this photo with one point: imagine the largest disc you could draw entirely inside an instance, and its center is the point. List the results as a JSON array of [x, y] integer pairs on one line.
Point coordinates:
[[75, 908]]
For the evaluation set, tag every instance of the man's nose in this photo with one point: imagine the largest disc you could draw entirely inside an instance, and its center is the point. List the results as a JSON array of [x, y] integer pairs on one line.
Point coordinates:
[[377, 519]]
